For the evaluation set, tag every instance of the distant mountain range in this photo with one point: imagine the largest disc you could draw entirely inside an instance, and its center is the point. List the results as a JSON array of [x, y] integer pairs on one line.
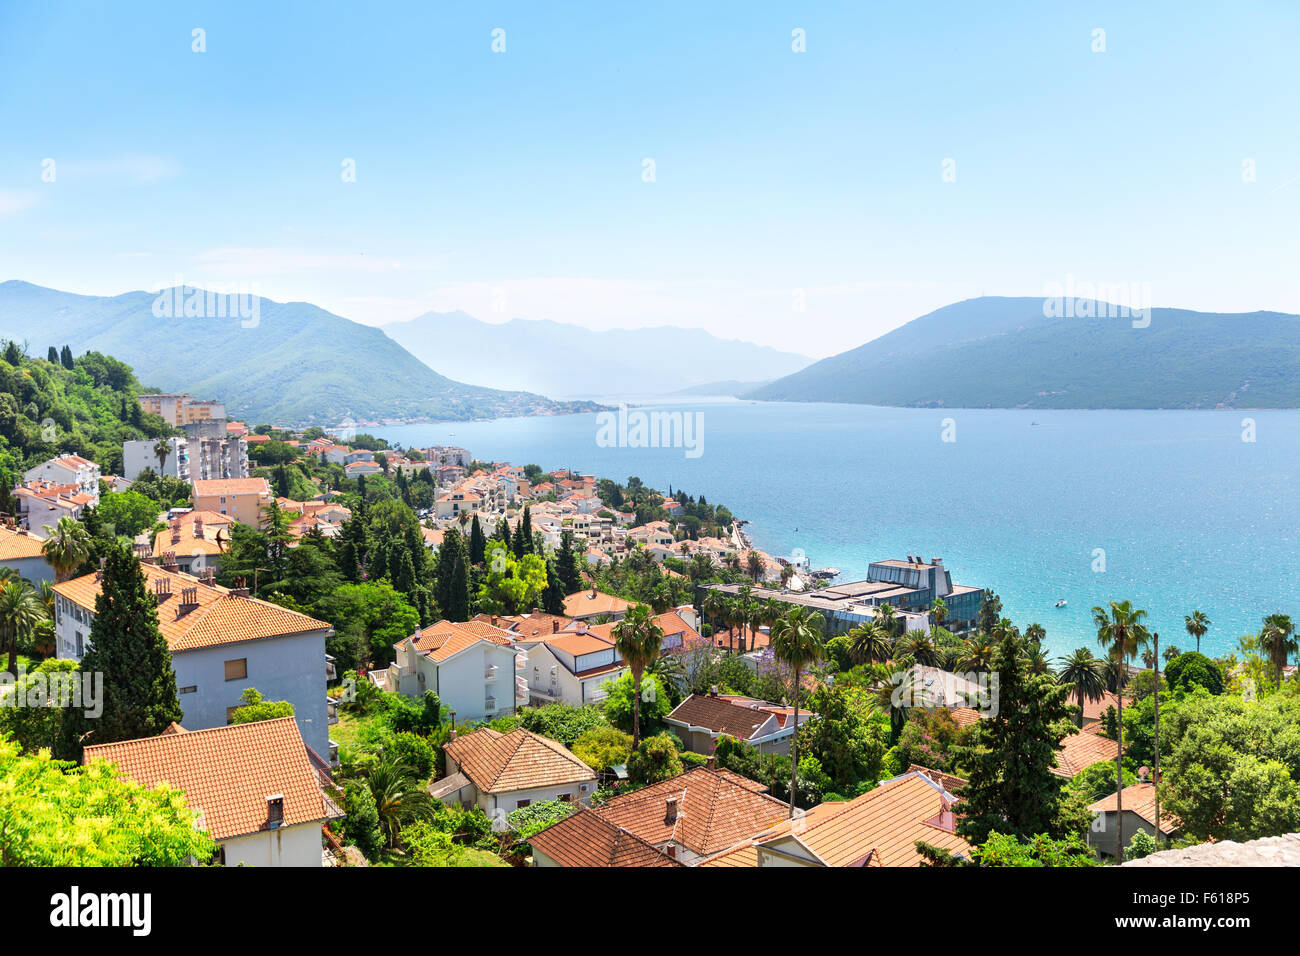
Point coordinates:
[[557, 358], [297, 363], [1004, 353], [727, 389]]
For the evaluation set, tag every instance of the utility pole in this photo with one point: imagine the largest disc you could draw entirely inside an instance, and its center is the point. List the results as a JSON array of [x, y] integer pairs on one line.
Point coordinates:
[[1155, 638]]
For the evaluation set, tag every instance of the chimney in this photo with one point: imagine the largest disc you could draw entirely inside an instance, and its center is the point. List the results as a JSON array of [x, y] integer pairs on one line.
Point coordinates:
[[672, 851], [713, 690], [672, 810], [710, 763], [274, 811], [555, 626], [593, 592], [494, 620]]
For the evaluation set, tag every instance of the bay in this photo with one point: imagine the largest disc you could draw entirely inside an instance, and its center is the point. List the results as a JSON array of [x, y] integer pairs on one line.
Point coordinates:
[[1170, 509]]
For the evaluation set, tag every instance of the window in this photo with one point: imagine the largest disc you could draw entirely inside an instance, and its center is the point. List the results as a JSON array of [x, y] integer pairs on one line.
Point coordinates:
[[522, 803], [190, 689], [237, 669], [230, 714], [566, 797]]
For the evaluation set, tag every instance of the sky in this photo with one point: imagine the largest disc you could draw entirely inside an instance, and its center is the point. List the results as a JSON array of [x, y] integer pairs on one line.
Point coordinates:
[[805, 176]]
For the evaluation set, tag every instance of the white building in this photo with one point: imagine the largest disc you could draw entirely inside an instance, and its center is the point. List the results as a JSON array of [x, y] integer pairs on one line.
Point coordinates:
[[68, 470], [570, 667], [139, 455], [469, 665], [256, 787], [21, 553]]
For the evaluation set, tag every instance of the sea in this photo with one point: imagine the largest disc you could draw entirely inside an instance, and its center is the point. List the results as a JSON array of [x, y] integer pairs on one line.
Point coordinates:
[[1173, 510]]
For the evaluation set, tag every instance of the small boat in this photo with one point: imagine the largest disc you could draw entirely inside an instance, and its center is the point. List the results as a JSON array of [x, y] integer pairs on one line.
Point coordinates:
[[1062, 602]]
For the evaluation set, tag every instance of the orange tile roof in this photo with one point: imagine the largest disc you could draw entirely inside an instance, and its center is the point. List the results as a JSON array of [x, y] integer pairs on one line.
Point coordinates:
[[1096, 709], [716, 809], [15, 545], [879, 828], [582, 604], [964, 716], [536, 625], [227, 773], [722, 716], [218, 616], [1081, 750], [1140, 799], [585, 839], [445, 639], [519, 760], [231, 486]]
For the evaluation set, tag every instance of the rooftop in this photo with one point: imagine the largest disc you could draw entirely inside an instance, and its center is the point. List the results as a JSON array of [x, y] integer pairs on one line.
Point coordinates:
[[519, 760]]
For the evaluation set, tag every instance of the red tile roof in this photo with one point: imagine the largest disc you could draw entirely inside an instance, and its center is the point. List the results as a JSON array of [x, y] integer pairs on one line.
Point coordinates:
[[227, 773], [519, 760], [586, 839]]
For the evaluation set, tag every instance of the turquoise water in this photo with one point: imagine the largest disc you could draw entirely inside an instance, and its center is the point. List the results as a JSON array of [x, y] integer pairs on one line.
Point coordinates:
[[1188, 515]]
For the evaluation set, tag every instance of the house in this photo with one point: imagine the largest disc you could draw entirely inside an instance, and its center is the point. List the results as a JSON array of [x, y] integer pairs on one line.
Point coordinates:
[[181, 410], [355, 468], [585, 839], [222, 641], [241, 498], [879, 828], [571, 666], [68, 470], [1139, 803], [255, 787], [500, 773], [21, 553], [585, 605], [1080, 750], [686, 819], [470, 666], [700, 720], [38, 504], [193, 542], [455, 503]]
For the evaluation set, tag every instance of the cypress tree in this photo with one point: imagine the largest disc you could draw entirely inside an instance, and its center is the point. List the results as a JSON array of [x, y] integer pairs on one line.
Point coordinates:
[[566, 565], [519, 544], [66, 358], [1012, 788], [526, 529], [477, 543], [53, 356], [451, 578], [459, 609], [126, 646], [554, 594]]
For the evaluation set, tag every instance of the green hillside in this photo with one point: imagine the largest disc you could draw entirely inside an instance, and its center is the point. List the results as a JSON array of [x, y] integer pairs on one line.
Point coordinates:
[[297, 364], [1004, 353], [48, 410]]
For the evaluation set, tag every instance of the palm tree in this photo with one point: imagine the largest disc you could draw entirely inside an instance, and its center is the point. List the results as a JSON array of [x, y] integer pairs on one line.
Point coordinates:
[[920, 647], [938, 612], [869, 643], [67, 547], [890, 620], [638, 638], [161, 449], [1197, 624], [1086, 674], [714, 605], [1278, 638], [880, 682], [21, 612], [796, 642], [977, 654], [1035, 633], [1123, 634], [400, 797]]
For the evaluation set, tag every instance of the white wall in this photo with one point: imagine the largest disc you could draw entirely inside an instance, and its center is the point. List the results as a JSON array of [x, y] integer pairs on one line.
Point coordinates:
[[287, 846]]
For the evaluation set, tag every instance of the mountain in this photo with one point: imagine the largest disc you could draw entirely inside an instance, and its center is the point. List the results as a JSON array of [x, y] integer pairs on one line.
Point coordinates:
[[727, 389], [557, 358], [1005, 353], [295, 363]]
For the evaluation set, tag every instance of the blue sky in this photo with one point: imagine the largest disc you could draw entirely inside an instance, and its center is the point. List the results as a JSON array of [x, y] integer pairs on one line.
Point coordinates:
[[511, 184]]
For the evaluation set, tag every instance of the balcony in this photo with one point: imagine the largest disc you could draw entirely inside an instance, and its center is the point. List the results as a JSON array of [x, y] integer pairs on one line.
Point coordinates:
[[332, 708], [490, 672], [490, 705], [330, 671]]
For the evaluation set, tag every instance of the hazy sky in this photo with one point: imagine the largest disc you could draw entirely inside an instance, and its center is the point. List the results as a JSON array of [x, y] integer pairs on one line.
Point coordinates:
[[799, 199]]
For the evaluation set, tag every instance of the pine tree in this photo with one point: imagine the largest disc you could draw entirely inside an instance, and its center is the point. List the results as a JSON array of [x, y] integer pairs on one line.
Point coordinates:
[[477, 543], [566, 565], [282, 481], [1012, 788], [139, 691]]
